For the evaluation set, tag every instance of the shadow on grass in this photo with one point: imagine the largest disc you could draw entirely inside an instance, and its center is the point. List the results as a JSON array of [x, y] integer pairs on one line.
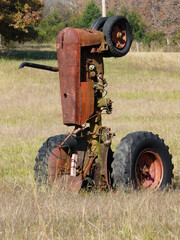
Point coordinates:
[[28, 55]]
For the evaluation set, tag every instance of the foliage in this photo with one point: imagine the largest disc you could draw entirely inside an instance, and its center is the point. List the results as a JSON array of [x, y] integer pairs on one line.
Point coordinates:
[[90, 13], [18, 17], [55, 22], [49, 27], [155, 36]]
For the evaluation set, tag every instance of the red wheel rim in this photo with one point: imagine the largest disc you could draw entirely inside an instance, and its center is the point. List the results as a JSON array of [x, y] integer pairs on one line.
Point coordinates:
[[119, 37], [149, 170]]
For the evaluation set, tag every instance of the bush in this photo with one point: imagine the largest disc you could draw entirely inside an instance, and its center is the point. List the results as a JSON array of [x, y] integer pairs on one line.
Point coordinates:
[[155, 36]]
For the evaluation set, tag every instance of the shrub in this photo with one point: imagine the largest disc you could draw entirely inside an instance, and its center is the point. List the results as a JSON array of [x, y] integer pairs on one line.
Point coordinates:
[[155, 36]]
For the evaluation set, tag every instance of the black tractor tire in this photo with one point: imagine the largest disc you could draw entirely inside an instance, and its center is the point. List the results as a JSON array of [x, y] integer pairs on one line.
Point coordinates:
[[142, 161], [98, 23], [108, 30], [42, 159]]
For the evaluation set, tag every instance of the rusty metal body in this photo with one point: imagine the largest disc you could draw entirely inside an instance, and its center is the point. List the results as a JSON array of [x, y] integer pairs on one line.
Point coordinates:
[[83, 158], [74, 47], [82, 87], [80, 55]]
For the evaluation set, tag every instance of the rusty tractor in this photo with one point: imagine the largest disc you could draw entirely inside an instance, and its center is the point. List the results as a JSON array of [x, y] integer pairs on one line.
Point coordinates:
[[83, 158]]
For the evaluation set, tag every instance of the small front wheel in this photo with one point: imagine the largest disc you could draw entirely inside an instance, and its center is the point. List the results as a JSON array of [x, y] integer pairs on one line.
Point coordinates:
[[99, 23], [142, 160], [118, 35]]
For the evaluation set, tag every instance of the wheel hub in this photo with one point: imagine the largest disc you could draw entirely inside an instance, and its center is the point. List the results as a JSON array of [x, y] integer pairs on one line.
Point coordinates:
[[149, 169], [119, 37]]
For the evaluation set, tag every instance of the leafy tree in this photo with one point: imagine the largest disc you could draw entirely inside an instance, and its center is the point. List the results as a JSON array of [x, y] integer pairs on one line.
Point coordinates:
[[62, 17], [90, 13], [18, 17], [49, 27]]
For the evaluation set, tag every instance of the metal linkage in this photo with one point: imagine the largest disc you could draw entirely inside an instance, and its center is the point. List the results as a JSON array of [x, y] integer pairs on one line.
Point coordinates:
[[39, 66]]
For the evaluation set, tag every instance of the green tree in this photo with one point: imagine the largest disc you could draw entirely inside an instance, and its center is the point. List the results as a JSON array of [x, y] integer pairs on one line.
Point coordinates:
[[17, 18], [49, 27], [90, 13]]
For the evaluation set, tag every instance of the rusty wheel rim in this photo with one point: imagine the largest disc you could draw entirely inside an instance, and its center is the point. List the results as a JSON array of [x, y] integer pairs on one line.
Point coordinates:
[[119, 36], [149, 170]]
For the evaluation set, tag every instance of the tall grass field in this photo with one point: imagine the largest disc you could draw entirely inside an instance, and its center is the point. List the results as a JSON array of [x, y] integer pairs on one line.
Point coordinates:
[[145, 90]]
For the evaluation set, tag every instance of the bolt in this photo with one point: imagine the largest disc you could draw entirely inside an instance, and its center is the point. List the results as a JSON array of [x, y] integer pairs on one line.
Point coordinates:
[[91, 67]]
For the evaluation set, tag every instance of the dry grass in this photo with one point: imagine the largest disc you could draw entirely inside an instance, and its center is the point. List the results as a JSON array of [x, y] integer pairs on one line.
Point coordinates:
[[145, 89], [26, 213]]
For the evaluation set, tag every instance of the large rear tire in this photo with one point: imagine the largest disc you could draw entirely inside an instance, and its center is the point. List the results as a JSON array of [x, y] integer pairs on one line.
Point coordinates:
[[46, 152], [142, 161]]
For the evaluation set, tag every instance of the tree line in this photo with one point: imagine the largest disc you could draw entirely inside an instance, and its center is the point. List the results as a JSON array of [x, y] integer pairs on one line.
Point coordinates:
[[31, 19]]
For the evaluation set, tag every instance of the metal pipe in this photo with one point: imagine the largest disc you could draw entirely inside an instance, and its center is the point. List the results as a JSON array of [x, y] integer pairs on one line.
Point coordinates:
[[73, 164], [103, 8], [39, 66]]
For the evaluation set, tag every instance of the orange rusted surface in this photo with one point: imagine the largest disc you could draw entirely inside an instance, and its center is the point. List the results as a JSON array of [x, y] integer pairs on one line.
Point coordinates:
[[59, 164], [77, 93], [149, 170]]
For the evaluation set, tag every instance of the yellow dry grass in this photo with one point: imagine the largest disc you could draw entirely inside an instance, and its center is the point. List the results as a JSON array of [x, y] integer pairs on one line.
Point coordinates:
[[145, 89]]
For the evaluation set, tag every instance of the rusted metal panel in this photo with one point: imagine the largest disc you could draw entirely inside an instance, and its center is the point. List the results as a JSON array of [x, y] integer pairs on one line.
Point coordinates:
[[59, 164], [68, 54], [77, 93], [87, 101], [90, 37]]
